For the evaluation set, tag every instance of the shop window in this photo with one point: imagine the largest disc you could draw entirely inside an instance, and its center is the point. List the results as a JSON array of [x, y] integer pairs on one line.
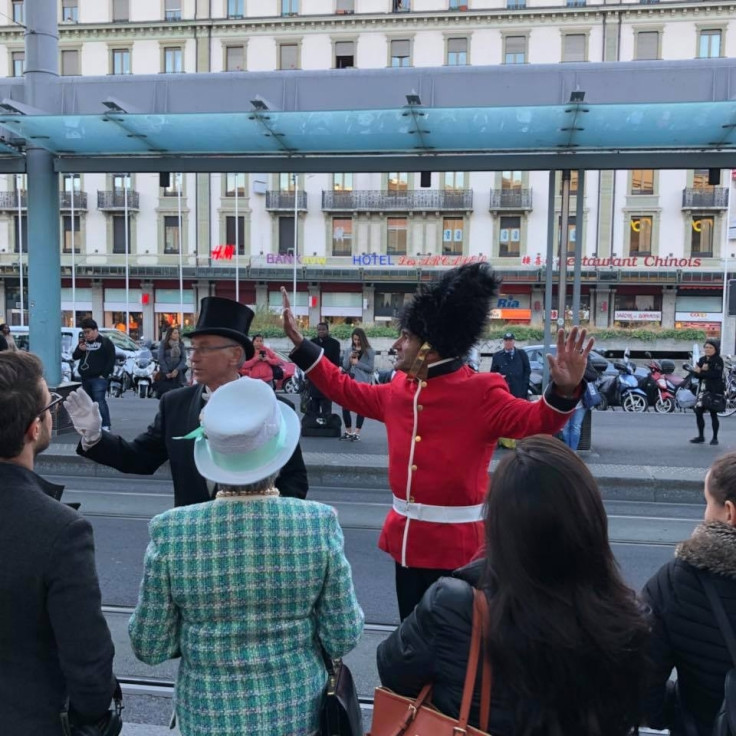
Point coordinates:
[[234, 183], [701, 237], [514, 50], [398, 181], [120, 11], [509, 237], [709, 43], [171, 234], [457, 51], [573, 47], [234, 58], [344, 54], [120, 61], [119, 234], [453, 181], [388, 304], [642, 181], [71, 234], [342, 182], [342, 236], [400, 52], [647, 45], [453, 236], [18, 60], [22, 235], [235, 8], [640, 235], [70, 63], [235, 232], [397, 236], [173, 63], [288, 56]]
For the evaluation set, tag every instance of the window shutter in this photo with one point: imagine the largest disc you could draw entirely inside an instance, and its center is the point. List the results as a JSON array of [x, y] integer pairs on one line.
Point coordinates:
[[647, 45], [400, 48], [574, 47], [344, 48], [515, 44], [457, 45]]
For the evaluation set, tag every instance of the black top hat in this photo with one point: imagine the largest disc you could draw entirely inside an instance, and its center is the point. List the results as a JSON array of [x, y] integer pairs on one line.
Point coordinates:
[[226, 318]]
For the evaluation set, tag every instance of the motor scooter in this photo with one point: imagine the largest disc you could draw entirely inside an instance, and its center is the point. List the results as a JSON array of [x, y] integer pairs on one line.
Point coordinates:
[[622, 390], [667, 384], [117, 383], [144, 367]]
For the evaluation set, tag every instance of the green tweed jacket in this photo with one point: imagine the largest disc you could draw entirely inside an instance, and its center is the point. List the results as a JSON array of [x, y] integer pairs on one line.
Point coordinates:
[[242, 590]]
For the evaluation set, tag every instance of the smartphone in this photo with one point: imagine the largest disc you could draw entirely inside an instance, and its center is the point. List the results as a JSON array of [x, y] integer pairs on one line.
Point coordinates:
[[263, 353]]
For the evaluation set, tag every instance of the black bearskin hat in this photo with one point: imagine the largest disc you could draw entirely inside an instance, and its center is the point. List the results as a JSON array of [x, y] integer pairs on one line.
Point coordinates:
[[450, 314]]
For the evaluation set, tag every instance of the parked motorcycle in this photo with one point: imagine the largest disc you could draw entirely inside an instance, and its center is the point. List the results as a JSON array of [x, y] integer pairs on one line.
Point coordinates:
[[144, 366], [663, 375], [119, 380], [730, 381], [687, 392], [622, 390]]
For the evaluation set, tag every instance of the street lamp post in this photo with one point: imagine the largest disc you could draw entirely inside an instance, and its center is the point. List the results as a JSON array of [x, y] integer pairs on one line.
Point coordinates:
[[296, 236]]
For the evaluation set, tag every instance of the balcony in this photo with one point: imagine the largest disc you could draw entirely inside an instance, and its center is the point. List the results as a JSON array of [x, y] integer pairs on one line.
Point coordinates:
[[511, 199], [116, 200], [80, 201], [284, 201], [711, 198], [367, 200], [9, 200]]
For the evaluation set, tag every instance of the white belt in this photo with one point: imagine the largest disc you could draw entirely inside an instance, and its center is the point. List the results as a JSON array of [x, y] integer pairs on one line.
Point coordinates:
[[439, 514]]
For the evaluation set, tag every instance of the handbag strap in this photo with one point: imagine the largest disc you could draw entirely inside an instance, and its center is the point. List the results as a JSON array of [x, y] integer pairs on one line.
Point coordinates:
[[486, 682], [480, 611], [719, 612]]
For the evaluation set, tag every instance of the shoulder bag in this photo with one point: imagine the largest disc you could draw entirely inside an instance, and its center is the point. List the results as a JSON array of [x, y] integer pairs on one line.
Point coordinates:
[[711, 401], [396, 715], [339, 713]]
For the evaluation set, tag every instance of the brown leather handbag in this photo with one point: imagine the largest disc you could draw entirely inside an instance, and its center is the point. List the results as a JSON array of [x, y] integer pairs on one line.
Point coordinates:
[[394, 715]]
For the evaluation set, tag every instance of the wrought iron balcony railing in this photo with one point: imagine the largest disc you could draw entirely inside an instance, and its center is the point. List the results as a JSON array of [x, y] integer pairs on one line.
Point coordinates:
[[80, 200], [9, 200], [705, 198], [511, 199], [116, 200], [368, 200], [285, 201]]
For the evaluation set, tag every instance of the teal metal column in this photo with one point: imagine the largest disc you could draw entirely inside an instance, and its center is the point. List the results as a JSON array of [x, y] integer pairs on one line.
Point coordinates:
[[44, 258]]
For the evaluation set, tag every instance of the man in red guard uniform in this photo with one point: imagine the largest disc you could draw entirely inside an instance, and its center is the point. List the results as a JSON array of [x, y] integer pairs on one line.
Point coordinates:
[[443, 421]]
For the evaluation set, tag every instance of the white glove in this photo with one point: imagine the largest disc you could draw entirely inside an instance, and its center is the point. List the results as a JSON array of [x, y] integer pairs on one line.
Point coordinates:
[[85, 417]]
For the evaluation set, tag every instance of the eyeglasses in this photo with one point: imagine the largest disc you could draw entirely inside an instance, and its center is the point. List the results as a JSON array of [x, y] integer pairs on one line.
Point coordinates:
[[55, 399], [206, 349]]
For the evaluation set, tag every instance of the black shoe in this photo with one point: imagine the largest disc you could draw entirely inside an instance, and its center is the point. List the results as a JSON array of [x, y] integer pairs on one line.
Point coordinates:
[[697, 440], [714, 441]]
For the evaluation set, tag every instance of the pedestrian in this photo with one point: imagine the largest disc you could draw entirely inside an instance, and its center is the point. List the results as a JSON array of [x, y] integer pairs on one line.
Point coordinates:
[[321, 405], [513, 365], [685, 632], [261, 365], [219, 347], [572, 430], [54, 641], [709, 371], [7, 337], [172, 362], [245, 589], [359, 364], [557, 610], [443, 421], [96, 356]]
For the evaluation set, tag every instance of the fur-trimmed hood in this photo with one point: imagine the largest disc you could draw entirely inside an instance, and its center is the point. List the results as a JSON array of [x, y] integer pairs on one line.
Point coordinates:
[[712, 547]]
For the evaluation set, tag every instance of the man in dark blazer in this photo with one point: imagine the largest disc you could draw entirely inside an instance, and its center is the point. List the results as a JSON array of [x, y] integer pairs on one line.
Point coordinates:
[[321, 406], [513, 365], [219, 347], [54, 641]]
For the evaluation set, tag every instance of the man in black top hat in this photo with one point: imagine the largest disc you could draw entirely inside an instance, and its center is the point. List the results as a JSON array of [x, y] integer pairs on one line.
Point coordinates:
[[513, 365], [219, 347]]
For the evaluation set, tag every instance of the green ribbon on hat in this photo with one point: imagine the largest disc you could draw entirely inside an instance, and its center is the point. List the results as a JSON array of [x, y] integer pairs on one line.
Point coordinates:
[[193, 435]]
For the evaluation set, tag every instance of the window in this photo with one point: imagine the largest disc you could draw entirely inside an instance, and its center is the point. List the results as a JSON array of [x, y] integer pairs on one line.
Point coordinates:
[[452, 236], [234, 58], [342, 236], [400, 53], [286, 182], [120, 11], [19, 11], [121, 182], [509, 237], [235, 8], [700, 179], [121, 61], [289, 7], [640, 235], [234, 183], [511, 180], [171, 234], [173, 60], [457, 51], [19, 63], [642, 181], [118, 233], [345, 6], [647, 45], [458, 5], [172, 10], [397, 231], [286, 235], [23, 232], [515, 4], [342, 182], [701, 238], [573, 47], [67, 231], [514, 50], [398, 181], [401, 6], [288, 56], [344, 54], [72, 181], [70, 10], [235, 232], [172, 190], [453, 181], [709, 44], [70, 63]]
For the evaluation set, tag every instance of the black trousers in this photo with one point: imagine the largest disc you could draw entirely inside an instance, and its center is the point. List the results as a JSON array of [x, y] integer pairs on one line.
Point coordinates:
[[412, 583], [700, 421]]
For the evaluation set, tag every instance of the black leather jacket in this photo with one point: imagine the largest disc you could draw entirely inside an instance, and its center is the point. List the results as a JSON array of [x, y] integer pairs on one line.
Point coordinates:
[[711, 371]]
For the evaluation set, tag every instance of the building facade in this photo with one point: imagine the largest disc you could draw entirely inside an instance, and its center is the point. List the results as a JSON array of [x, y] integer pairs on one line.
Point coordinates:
[[656, 244]]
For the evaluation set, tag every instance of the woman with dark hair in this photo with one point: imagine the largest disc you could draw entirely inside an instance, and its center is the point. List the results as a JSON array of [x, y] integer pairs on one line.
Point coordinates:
[[709, 371], [566, 639], [358, 362], [685, 633], [172, 362]]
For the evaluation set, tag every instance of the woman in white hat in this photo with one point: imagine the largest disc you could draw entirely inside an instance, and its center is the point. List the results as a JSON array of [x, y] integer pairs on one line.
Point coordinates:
[[244, 589]]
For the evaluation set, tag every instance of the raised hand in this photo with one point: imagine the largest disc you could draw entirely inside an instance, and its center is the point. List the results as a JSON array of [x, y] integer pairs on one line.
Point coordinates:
[[85, 415], [290, 326], [566, 368]]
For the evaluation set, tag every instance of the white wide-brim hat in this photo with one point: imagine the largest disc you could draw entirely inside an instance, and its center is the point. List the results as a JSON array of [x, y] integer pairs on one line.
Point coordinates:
[[246, 433]]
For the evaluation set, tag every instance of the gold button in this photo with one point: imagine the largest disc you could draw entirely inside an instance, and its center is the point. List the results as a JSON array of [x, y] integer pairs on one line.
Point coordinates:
[[411, 499], [419, 407], [414, 468], [417, 439], [424, 384]]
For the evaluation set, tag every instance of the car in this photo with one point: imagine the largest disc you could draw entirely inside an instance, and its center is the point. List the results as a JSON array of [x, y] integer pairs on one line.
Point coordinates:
[[292, 380], [537, 353]]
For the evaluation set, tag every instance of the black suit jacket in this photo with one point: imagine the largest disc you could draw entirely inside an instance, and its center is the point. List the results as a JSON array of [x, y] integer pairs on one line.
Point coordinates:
[[54, 641], [515, 370], [178, 414]]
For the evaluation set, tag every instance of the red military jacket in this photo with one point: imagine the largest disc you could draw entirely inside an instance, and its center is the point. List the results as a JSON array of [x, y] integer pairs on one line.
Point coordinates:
[[442, 432]]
